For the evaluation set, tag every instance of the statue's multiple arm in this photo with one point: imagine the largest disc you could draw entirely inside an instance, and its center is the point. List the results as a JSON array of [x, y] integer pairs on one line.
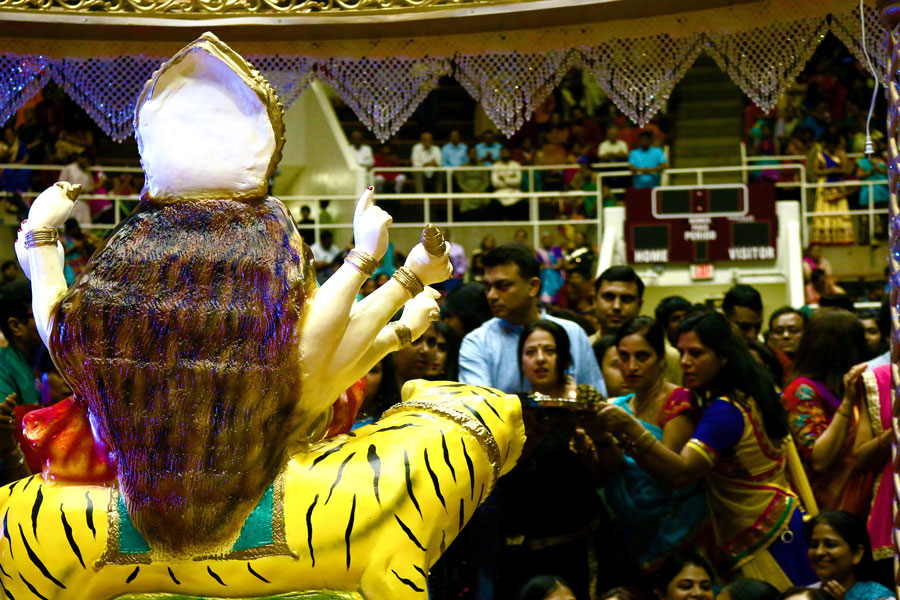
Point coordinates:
[[342, 339], [43, 264]]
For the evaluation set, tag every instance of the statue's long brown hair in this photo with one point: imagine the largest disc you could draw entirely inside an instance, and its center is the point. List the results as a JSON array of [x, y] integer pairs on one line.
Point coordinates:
[[182, 338]]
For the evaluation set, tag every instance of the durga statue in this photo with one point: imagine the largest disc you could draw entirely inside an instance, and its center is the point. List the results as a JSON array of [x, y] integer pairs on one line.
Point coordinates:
[[203, 454]]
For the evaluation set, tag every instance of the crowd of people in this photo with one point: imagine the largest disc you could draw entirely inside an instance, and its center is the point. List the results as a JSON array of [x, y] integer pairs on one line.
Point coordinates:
[[687, 429]]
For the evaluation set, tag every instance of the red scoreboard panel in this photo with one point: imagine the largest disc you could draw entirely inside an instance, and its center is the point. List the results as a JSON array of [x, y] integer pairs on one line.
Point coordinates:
[[701, 224]]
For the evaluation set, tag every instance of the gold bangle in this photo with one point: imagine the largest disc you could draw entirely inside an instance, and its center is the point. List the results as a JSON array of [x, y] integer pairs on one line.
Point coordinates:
[[41, 236], [640, 445], [362, 262], [401, 330], [409, 281]]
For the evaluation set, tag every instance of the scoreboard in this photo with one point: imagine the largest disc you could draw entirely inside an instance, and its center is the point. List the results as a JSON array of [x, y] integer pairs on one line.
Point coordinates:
[[701, 224]]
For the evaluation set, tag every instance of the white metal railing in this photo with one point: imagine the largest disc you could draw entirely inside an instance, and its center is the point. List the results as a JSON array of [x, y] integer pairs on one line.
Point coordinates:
[[534, 196]]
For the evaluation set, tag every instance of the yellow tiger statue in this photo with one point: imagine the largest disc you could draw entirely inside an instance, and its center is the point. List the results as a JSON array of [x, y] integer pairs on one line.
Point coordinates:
[[362, 515], [205, 362]]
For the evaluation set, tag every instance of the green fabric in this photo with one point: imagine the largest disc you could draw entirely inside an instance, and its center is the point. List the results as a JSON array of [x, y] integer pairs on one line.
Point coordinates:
[[130, 539], [256, 532], [257, 529], [17, 377]]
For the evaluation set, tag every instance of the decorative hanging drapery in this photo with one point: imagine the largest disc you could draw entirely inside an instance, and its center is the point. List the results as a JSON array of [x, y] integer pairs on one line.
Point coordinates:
[[763, 62], [383, 92], [510, 86], [638, 72]]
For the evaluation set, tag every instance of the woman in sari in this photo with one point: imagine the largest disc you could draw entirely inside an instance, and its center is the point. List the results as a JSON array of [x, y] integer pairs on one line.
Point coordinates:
[[872, 452], [822, 409], [829, 164], [737, 449], [657, 522]]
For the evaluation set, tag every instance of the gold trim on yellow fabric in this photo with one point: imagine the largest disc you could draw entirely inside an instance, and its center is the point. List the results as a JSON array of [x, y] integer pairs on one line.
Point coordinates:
[[704, 451]]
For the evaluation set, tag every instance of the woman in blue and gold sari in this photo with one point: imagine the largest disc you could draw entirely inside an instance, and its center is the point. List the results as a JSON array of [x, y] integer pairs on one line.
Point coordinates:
[[736, 449]]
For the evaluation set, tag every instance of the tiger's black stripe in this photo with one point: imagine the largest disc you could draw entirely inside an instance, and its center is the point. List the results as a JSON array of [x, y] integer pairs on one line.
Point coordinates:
[[340, 474], [435, 481], [471, 468], [68, 529], [6, 592], [409, 488], [89, 514], [462, 514], [27, 483], [172, 575], [481, 494], [257, 575], [2, 570], [6, 534], [309, 529], [447, 456], [443, 541], [375, 463], [407, 582], [325, 455], [35, 509], [506, 454], [475, 414], [421, 572], [13, 486], [409, 534], [214, 575], [394, 428], [37, 561], [493, 410], [32, 589], [134, 574], [350, 530]]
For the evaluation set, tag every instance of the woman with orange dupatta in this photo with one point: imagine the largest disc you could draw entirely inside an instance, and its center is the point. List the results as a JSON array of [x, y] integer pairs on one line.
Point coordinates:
[[822, 407]]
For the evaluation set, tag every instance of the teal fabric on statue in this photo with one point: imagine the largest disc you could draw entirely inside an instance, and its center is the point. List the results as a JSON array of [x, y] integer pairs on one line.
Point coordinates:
[[255, 533], [257, 529], [131, 541]]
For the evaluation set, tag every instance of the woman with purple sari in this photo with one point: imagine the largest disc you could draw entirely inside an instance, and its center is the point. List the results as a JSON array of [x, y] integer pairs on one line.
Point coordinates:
[[823, 409]]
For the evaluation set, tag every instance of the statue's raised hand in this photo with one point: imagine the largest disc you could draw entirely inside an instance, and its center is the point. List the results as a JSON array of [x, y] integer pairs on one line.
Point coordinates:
[[430, 260], [370, 226], [419, 312], [54, 206]]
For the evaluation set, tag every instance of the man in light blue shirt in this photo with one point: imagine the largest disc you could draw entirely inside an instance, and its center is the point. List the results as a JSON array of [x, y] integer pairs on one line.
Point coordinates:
[[453, 153], [489, 148], [489, 355], [647, 162]]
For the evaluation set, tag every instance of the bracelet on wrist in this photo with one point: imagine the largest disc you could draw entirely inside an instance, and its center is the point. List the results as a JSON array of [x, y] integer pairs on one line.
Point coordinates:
[[409, 281], [41, 236], [361, 261], [401, 330]]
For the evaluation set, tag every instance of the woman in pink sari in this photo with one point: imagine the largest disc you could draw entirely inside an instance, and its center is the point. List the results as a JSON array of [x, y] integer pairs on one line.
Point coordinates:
[[872, 452]]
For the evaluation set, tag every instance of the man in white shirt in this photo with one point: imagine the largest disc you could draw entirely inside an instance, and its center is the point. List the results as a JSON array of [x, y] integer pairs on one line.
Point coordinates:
[[78, 172], [612, 149], [327, 256], [426, 154], [362, 152], [506, 177]]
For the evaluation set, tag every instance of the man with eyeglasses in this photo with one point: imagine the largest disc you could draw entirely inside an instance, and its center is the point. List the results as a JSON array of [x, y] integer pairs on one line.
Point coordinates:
[[743, 308], [785, 332]]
